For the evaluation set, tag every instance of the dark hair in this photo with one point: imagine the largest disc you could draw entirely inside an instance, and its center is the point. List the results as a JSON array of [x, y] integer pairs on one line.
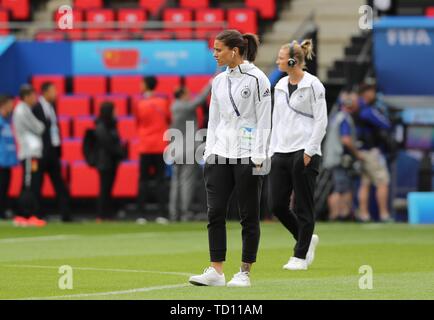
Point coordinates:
[[26, 90], [180, 92], [46, 86], [366, 87], [247, 43], [106, 115], [150, 82], [4, 98]]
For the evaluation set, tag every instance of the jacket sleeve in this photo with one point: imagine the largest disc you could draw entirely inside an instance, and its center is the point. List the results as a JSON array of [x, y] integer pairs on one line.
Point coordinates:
[[26, 121], [319, 110], [201, 98], [274, 124], [376, 118], [213, 120], [263, 118]]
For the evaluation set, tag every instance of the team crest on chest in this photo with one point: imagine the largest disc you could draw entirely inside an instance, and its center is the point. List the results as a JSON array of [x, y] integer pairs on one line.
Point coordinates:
[[245, 93]]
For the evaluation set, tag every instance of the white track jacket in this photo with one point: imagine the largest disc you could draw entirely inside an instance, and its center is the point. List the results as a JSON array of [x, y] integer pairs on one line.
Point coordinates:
[[240, 114], [299, 121]]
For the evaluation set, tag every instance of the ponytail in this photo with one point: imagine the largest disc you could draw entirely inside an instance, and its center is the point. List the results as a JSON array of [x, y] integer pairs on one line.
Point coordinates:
[[251, 44], [307, 48], [301, 51]]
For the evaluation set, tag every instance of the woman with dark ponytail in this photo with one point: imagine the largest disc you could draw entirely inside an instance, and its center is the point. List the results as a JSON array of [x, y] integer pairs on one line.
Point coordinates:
[[236, 147]]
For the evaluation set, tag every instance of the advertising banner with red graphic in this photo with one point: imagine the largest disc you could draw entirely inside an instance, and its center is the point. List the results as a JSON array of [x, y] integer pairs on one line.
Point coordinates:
[[138, 57]]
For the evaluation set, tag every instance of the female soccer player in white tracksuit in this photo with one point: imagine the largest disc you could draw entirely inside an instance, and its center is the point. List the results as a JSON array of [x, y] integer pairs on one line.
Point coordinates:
[[236, 147], [299, 126]]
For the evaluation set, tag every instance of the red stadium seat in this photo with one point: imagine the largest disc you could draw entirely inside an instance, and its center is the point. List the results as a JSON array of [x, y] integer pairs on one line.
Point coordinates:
[[153, 6], [64, 127], [89, 85], [119, 100], [175, 21], [133, 149], [132, 18], [115, 35], [267, 9], [196, 83], [167, 84], [194, 4], [81, 124], [88, 4], [77, 18], [73, 105], [157, 35], [50, 36], [212, 16], [71, 150], [98, 17], [127, 127], [126, 183], [94, 34], [16, 181], [430, 12], [126, 84], [4, 18], [75, 34], [244, 20], [84, 180], [57, 80], [47, 186], [20, 9]]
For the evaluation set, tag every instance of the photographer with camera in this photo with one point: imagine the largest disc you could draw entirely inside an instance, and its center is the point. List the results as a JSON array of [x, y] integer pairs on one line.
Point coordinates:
[[342, 157]]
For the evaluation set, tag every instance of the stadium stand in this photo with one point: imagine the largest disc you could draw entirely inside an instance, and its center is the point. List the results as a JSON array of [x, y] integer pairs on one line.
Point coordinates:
[[20, 9], [4, 18]]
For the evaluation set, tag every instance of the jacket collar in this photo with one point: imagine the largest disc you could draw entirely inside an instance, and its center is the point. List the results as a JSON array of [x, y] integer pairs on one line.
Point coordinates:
[[305, 82], [240, 69]]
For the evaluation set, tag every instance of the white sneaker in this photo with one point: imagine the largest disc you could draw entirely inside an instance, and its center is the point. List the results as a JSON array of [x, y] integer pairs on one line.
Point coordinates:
[[310, 256], [296, 264], [210, 277], [240, 279]]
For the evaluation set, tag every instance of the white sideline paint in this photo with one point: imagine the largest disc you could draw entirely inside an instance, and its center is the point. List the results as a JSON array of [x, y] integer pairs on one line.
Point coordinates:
[[110, 293], [69, 237], [44, 238], [98, 269]]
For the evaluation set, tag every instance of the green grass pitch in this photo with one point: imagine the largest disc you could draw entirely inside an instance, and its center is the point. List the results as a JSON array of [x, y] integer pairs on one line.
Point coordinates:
[[131, 261]]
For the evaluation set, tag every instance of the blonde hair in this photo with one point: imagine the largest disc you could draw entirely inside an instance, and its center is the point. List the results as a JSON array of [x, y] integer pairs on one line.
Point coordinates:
[[302, 51]]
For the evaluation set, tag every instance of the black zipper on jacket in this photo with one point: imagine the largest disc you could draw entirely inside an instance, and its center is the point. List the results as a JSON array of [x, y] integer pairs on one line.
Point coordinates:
[[231, 98], [257, 81]]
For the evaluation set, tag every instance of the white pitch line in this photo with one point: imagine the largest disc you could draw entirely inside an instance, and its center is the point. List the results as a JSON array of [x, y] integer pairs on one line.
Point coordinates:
[[44, 238], [110, 293], [98, 269]]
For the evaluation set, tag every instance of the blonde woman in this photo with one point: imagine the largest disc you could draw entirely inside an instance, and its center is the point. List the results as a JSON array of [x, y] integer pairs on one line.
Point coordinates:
[[299, 126]]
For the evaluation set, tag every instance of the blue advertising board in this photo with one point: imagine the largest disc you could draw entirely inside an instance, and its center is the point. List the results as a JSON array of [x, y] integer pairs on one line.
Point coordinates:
[[139, 57], [404, 55]]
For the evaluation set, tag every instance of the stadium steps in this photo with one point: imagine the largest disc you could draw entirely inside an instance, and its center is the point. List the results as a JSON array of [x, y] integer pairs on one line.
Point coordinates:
[[336, 21], [43, 14]]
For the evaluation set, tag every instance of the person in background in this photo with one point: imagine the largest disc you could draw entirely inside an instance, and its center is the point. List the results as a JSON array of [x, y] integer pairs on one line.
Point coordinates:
[[340, 152], [184, 175], [369, 123], [153, 119], [28, 131], [8, 151], [110, 153], [51, 151]]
